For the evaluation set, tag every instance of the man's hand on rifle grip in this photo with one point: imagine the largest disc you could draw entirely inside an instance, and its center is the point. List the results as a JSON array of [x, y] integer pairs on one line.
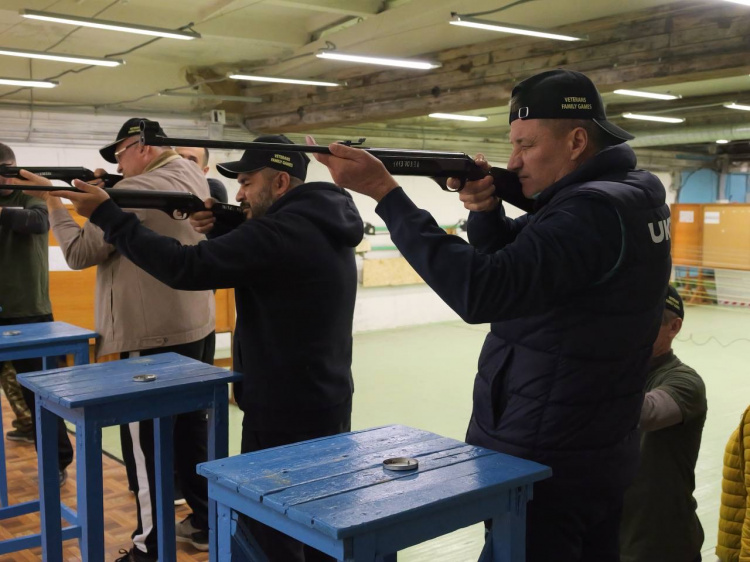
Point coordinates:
[[203, 221], [355, 169], [478, 195], [99, 181]]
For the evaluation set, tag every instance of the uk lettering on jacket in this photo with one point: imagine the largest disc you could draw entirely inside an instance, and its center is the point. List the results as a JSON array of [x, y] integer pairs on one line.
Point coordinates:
[[662, 227]]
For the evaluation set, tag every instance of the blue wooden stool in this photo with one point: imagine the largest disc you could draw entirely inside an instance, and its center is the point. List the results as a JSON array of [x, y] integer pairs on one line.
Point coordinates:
[[121, 392], [47, 340], [335, 495]]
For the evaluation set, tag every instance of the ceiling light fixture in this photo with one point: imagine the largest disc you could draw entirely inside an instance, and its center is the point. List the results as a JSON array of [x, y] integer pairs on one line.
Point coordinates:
[[722, 141], [111, 25], [743, 2], [215, 97], [28, 83], [252, 78], [400, 63], [476, 118], [466, 21], [60, 57], [653, 118], [739, 106], [651, 95]]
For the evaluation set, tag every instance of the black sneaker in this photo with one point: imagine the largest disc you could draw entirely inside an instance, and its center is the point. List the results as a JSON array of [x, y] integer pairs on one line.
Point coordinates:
[[20, 436], [185, 532], [134, 555]]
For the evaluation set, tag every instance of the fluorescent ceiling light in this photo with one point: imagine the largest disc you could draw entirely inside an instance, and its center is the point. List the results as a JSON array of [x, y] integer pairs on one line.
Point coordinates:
[[651, 95], [28, 83], [457, 117], [282, 80], [653, 118], [465, 21], [737, 106], [76, 59], [743, 2], [110, 25], [216, 97], [722, 141], [400, 63]]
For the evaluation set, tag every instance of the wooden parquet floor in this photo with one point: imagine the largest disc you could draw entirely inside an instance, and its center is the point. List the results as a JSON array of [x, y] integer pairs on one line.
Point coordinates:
[[119, 504]]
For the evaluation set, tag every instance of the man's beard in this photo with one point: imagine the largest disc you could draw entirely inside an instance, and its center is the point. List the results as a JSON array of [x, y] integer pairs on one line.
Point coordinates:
[[260, 207]]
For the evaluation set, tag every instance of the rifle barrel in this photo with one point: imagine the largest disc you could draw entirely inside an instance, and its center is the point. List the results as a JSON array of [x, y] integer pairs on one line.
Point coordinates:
[[151, 138]]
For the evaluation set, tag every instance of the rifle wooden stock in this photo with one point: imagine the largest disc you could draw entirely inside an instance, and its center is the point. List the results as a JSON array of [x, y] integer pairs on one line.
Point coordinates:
[[64, 173], [178, 205]]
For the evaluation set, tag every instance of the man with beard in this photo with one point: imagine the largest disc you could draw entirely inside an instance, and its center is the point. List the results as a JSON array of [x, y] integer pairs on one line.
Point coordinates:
[[293, 270]]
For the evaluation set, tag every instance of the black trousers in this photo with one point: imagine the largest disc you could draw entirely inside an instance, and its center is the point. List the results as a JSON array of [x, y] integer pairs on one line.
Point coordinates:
[[568, 523], [277, 546], [64, 447], [190, 448]]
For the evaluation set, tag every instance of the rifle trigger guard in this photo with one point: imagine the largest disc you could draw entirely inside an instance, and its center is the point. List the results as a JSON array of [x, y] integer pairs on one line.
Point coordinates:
[[459, 188], [179, 215]]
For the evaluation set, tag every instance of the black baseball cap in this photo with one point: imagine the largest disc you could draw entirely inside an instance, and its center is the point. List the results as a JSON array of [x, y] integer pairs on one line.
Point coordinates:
[[562, 94], [130, 128], [674, 302], [294, 163]]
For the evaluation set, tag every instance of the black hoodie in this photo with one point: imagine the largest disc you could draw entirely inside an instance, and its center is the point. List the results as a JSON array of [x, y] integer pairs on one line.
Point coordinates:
[[295, 282]]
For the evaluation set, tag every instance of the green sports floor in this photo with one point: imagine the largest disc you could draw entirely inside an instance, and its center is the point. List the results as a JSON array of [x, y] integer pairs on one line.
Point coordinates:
[[422, 377]]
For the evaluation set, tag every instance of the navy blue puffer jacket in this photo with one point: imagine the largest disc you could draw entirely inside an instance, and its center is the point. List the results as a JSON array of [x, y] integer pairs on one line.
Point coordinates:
[[575, 293]]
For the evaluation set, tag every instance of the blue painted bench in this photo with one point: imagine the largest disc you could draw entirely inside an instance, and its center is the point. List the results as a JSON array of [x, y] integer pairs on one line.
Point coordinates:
[[334, 494], [104, 394], [47, 340]]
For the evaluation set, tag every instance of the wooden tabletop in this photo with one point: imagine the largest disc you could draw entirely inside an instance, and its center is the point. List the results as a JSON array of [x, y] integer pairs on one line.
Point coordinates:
[[40, 333], [86, 385], [338, 485]]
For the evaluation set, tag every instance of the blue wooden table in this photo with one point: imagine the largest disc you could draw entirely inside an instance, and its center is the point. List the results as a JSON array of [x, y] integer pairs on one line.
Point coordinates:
[[96, 396], [334, 494], [47, 340]]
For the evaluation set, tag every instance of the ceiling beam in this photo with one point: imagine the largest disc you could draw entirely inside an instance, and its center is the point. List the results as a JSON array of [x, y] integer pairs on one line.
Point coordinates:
[[357, 8], [673, 43]]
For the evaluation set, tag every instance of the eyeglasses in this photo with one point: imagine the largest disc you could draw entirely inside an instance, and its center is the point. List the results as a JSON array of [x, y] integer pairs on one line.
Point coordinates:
[[119, 152]]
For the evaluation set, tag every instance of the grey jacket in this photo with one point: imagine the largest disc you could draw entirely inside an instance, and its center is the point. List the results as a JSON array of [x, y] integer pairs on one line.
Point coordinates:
[[134, 311]]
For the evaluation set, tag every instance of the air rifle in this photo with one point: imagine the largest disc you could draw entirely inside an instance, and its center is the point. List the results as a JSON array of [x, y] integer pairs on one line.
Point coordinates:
[[177, 204], [66, 174], [437, 165]]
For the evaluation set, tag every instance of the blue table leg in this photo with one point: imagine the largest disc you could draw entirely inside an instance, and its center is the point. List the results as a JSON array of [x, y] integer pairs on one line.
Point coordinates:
[[218, 448], [163, 466], [49, 363], [224, 532], [89, 484], [81, 354], [49, 487], [3, 474], [507, 540]]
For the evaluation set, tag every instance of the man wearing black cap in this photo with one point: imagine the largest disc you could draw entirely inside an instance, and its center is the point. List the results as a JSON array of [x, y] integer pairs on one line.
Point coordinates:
[[135, 314], [659, 522], [574, 292], [293, 270]]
